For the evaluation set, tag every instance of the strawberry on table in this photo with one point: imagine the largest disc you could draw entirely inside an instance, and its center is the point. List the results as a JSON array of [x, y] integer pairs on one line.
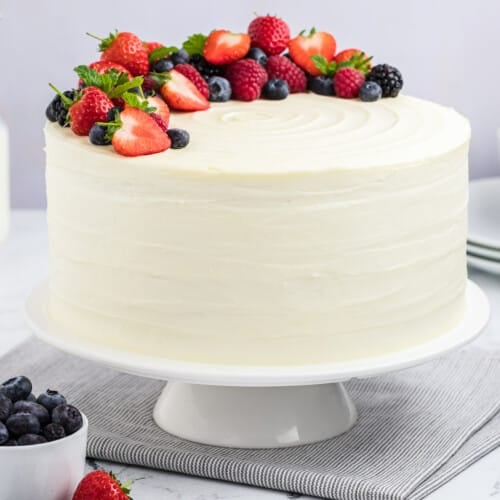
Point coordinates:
[[224, 47], [347, 82], [138, 134], [92, 105], [126, 49], [181, 94], [269, 33], [302, 47], [101, 485]]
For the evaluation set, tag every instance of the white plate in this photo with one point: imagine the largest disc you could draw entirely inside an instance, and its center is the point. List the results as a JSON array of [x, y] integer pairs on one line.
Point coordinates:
[[484, 212], [483, 252], [488, 265], [476, 317]]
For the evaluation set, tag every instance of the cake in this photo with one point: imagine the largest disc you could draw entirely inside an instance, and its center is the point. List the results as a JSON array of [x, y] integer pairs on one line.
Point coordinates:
[[313, 229], [4, 181]]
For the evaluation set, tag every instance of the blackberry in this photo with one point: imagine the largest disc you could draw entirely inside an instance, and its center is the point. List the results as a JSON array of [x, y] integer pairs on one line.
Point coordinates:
[[388, 77], [205, 68]]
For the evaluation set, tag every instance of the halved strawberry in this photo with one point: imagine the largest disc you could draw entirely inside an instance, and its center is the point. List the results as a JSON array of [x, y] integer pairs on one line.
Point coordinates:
[[181, 94], [224, 47], [161, 106], [302, 47], [92, 106], [138, 134]]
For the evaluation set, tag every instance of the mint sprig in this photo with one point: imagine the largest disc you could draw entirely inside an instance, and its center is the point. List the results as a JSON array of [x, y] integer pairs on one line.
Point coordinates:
[[194, 44], [160, 53], [326, 68], [135, 101]]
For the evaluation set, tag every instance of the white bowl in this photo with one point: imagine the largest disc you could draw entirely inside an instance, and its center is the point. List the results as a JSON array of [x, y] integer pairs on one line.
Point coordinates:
[[50, 471]]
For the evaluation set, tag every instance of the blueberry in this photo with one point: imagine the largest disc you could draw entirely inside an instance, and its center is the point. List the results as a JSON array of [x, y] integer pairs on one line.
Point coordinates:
[[98, 135], [4, 434], [10, 442], [40, 412], [5, 407], [54, 431], [220, 89], [52, 111], [275, 89], [62, 118], [370, 91], [258, 55], [51, 399], [322, 85], [180, 57], [31, 397], [23, 423], [162, 65], [111, 115], [68, 416], [179, 138], [17, 388], [30, 438]]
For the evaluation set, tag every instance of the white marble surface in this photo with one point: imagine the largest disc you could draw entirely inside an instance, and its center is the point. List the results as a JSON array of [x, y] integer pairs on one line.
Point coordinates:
[[23, 263]]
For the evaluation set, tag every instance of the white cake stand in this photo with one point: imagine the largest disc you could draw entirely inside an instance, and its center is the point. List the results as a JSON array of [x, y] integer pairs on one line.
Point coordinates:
[[261, 406]]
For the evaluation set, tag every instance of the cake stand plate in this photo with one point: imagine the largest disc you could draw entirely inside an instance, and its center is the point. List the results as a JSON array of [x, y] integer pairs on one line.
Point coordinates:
[[255, 406]]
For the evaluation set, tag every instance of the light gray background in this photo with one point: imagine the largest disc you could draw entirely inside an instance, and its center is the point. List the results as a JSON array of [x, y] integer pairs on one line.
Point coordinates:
[[448, 51]]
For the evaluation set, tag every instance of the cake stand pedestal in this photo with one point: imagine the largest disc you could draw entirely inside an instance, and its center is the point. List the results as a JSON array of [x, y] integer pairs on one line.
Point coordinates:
[[256, 406]]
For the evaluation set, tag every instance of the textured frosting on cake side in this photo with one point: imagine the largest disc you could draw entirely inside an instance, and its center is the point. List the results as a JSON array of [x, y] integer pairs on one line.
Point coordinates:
[[4, 180], [309, 230]]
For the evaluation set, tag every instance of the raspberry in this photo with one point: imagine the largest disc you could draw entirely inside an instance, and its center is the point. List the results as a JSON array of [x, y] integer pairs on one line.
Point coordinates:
[[159, 121], [269, 33], [283, 68], [347, 82], [149, 84], [191, 73], [246, 77]]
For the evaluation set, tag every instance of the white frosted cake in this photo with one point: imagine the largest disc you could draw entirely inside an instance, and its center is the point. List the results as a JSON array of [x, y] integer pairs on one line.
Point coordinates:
[[4, 181], [309, 230]]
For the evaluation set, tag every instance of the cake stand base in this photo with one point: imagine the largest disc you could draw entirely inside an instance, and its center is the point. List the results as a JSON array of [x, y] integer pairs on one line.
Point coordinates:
[[255, 406], [254, 417]]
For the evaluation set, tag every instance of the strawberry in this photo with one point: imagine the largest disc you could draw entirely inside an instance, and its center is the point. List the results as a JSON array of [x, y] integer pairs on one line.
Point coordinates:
[[101, 485], [103, 66], [302, 47], [161, 108], [247, 78], [181, 94], [150, 46], [92, 106], [159, 121], [281, 67], [224, 47], [138, 134], [194, 75], [353, 58], [347, 82], [126, 49], [269, 33]]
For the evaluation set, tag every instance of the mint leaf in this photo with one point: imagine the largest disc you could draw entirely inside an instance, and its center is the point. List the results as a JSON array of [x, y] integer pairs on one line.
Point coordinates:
[[122, 88], [194, 44], [90, 77], [326, 68], [135, 101], [160, 53]]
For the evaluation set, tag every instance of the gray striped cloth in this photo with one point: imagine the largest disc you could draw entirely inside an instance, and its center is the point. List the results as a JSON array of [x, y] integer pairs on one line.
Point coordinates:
[[417, 428]]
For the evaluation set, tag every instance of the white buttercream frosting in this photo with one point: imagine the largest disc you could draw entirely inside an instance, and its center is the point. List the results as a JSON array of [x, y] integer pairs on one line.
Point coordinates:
[[308, 230], [4, 180]]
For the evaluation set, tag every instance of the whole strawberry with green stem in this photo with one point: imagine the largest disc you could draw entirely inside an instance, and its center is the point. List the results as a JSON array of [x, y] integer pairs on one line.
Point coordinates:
[[101, 485]]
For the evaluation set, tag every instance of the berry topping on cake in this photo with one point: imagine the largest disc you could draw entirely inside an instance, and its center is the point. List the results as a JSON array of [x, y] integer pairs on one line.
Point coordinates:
[[283, 68], [347, 82], [57, 110], [258, 55], [159, 107], [104, 66], [269, 33], [354, 58], [92, 106], [275, 89], [162, 65], [98, 135], [101, 485], [180, 56], [303, 47], [205, 68], [192, 74], [219, 89], [370, 91], [126, 49], [224, 47], [135, 133], [179, 137], [159, 121], [388, 77], [151, 46], [247, 78], [181, 94], [322, 85]]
